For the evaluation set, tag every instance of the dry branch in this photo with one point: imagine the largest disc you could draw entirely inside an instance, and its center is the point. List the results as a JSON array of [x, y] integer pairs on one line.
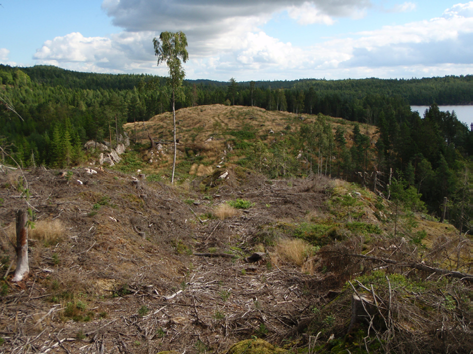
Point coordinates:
[[418, 266], [215, 255]]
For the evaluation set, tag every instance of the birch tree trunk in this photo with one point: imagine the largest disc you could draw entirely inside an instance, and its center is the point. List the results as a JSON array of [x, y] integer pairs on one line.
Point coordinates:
[[22, 267], [175, 143]]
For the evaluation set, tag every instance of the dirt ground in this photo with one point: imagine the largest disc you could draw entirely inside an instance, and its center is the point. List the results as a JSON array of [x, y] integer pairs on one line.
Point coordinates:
[[142, 267]]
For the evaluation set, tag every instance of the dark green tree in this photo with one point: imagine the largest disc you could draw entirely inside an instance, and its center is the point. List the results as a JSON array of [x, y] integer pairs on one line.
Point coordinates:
[[233, 90]]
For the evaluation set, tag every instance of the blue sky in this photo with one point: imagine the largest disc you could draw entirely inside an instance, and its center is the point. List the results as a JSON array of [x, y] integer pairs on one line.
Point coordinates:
[[245, 39]]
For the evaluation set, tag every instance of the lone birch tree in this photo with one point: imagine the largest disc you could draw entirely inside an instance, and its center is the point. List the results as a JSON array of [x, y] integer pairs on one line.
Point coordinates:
[[171, 49]]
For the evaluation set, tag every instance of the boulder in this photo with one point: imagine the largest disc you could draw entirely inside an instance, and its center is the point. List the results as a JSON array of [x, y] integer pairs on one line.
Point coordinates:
[[114, 156], [120, 149]]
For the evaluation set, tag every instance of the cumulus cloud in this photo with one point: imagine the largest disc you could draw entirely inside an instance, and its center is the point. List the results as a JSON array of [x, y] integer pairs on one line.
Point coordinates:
[[123, 52], [227, 30], [214, 25], [309, 14], [441, 40], [226, 40], [460, 10]]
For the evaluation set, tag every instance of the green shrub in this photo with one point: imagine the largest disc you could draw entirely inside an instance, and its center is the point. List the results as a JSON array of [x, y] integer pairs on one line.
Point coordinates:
[[4, 290], [143, 311], [318, 234], [246, 133], [262, 331], [219, 315], [161, 333], [154, 178], [241, 204], [131, 162], [364, 228], [189, 201], [75, 310], [418, 237], [225, 294], [80, 335], [56, 259]]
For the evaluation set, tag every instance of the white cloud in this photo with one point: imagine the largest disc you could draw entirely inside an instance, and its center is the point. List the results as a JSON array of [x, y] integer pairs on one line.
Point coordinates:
[[214, 25], [308, 14], [442, 40], [123, 52], [5, 58], [4, 54], [225, 41], [404, 7], [462, 10]]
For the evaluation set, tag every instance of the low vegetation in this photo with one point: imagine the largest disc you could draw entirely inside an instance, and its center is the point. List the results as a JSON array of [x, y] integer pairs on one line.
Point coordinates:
[[254, 249]]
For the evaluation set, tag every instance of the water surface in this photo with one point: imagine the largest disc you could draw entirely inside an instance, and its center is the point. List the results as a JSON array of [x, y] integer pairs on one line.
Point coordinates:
[[464, 113]]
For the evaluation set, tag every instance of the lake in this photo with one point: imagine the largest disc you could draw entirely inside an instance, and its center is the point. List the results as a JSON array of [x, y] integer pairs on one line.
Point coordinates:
[[464, 113]]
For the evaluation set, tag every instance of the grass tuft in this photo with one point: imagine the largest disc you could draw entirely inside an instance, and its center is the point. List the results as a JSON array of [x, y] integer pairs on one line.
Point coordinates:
[[225, 211], [294, 250]]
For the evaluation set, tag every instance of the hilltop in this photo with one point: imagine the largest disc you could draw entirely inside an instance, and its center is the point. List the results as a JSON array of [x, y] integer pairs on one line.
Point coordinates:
[[214, 135], [234, 256]]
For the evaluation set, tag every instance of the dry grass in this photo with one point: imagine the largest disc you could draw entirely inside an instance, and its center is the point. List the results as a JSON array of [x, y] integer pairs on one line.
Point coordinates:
[[48, 231], [293, 250], [225, 211]]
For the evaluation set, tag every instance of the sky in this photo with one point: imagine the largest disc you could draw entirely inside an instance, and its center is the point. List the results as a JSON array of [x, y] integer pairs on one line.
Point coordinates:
[[244, 39]]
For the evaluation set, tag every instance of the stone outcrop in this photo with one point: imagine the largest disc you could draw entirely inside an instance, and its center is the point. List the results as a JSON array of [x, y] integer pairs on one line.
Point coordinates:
[[93, 145]]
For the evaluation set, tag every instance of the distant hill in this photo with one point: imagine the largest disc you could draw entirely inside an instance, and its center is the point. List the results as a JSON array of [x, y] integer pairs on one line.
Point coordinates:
[[448, 90]]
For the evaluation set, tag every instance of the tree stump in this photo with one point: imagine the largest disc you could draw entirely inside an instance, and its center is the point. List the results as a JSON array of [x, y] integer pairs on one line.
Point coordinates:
[[362, 307], [22, 267]]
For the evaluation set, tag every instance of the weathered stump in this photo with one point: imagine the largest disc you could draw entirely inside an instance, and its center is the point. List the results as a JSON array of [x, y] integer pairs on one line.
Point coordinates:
[[362, 308], [22, 267]]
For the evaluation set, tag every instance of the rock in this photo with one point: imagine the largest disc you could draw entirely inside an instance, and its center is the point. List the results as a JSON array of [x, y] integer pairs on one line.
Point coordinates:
[[120, 149], [93, 145], [114, 156], [124, 139], [256, 257], [108, 160], [90, 171], [223, 175]]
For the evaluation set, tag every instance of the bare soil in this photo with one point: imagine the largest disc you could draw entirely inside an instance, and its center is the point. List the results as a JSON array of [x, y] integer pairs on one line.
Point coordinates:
[[124, 278]]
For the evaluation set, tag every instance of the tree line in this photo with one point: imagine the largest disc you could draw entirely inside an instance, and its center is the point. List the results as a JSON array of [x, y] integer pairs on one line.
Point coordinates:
[[63, 109]]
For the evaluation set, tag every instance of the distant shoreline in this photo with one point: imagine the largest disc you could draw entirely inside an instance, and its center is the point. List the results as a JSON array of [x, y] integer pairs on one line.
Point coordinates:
[[464, 113]]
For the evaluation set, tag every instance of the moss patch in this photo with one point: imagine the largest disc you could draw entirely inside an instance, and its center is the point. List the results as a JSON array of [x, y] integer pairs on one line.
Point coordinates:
[[254, 346]]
